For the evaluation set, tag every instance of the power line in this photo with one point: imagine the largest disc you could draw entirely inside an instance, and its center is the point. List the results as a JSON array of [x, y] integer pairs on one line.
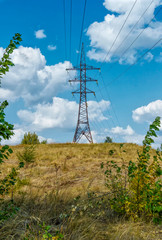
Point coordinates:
[[96, 124], [101, 111], [71, 4], [141, 32], [82, 128], [135, 62], [108, 54], [108, 94], [105, 105], [65, 28], [133, 27], [119, 32], [81, 33]]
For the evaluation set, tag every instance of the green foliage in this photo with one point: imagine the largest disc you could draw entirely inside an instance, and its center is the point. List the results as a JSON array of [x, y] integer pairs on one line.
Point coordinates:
[[44, 233], [136, 187], [8, 211], [6, 62], [6, 129], [30, 138], [108, 140], [27, 156], [44, 142], [116, 181]]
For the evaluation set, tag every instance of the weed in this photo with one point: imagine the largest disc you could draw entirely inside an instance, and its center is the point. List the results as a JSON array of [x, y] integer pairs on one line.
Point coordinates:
[[28, 155], [136, 188]]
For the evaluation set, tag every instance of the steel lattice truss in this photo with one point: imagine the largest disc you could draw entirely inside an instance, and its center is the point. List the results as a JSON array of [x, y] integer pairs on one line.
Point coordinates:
[[83, 128]]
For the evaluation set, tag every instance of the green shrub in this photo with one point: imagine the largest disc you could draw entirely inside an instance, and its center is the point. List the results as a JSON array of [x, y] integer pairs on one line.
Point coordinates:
[[6, 129], [108, 140], [136, 188], [30, 138], [28, 155]]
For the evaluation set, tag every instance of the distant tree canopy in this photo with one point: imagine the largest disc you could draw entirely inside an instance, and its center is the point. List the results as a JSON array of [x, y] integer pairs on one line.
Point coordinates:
[[108, 140], [30, 138], [44, 142]]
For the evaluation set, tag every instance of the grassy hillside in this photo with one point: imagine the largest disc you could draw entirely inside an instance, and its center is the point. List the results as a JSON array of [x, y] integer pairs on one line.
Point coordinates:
[[65, 188]]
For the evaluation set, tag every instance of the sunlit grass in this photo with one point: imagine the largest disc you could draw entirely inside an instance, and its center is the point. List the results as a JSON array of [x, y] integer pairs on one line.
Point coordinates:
[[46, 190]]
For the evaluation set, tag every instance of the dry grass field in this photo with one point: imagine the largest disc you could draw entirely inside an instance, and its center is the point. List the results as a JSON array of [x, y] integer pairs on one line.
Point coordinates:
[[62, 188]]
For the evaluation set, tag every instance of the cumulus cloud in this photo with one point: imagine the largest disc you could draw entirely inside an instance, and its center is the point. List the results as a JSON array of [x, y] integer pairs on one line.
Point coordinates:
[[135, 138], [31, 79], [120, 134], [102, 34], [61, 113], [40, 34], [96, 110], [121, 131], [148, 113], [51, 47], [123, 136], [18, 136]]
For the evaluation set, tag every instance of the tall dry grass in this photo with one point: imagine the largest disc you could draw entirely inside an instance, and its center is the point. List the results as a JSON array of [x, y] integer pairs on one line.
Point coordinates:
[[47, 191]]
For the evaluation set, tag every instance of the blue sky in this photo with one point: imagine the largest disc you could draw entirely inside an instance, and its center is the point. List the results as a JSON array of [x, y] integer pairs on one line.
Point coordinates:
[[37, 86]]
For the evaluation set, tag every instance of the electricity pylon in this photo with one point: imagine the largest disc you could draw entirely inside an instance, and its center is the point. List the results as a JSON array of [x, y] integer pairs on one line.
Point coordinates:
[[83, 128]]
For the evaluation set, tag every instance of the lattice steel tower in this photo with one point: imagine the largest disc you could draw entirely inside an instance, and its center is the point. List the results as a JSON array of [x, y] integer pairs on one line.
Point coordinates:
[[83, 128]]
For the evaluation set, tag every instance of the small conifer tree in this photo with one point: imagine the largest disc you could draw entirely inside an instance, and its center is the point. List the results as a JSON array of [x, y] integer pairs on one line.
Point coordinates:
[[30, 138]]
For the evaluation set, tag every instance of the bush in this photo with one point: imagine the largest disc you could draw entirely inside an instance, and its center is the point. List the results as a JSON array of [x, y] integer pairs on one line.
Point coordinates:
[[44, 142], [30, 138], [28, 155], [108, 140], [136, 187]]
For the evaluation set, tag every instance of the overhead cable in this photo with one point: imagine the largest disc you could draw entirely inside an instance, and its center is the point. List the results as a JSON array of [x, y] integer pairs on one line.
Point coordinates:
[[82, 26]]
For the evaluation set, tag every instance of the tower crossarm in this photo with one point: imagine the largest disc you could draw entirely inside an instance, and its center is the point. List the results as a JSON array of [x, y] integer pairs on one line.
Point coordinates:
[[83, 67], [83, 128], [87, 80], [79, 92]]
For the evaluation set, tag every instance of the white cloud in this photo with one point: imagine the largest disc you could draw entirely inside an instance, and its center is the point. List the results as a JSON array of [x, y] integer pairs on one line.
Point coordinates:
[[135, 138], [49, 140], [103, 34], [61, 113], [51, 47], [118, 134], [98, 137], [18, 136], [149, 112], [95, 110], [128, 135], [149, 57], [1, 52], [32, 80], [40, 34], [121, 131], [7, 94]]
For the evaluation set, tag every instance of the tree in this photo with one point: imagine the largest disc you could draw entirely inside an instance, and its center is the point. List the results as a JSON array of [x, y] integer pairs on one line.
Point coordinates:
[[30, 138], [108, 140], [6, 129]]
